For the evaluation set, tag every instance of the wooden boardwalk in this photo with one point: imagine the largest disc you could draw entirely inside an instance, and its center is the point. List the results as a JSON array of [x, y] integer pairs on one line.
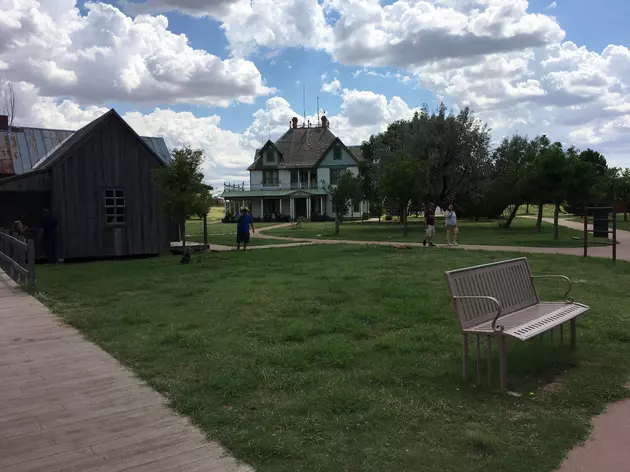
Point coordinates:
[[66, 405]]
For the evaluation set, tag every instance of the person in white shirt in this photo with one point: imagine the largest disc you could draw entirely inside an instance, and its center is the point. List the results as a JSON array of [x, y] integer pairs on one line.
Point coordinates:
[[451, 226]]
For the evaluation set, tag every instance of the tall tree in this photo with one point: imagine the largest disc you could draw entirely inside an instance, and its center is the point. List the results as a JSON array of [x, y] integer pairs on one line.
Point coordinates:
[[403, 179], [8, 101], [550, 173], [512, 161], [347, 191], [181, 184]]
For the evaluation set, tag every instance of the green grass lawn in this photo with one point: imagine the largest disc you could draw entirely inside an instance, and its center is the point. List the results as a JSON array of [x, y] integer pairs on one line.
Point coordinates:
[[224, 233], [347, 358], [521, 233]]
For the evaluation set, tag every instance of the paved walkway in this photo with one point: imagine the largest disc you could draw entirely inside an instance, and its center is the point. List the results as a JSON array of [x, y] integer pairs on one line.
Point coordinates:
[[66, 405]]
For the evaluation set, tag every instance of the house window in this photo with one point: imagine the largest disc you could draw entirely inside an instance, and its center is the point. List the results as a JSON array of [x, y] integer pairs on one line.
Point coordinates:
[[335, 175], [115, 206], [270, 177], [337, 153], [270, 155], [357, 207]]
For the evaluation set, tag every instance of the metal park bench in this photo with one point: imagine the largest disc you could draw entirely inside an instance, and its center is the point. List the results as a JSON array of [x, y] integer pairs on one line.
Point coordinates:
[[500, 299]]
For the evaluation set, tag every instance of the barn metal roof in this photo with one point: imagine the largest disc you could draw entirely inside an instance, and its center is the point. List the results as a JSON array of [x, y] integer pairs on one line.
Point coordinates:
[[22, 148]]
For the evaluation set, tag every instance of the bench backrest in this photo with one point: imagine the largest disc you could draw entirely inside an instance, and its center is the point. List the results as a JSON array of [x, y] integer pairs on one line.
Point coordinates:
[[510, 282]]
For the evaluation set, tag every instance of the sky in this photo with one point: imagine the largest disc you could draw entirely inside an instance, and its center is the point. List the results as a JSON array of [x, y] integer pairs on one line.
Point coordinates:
[[226, 75]]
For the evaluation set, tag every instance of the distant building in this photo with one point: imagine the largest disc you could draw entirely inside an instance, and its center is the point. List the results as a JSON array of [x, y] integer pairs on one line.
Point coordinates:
[[96, 181], [291, 176]]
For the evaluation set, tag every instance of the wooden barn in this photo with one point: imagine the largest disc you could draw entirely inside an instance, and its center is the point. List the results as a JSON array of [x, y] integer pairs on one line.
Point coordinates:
[[97, 182]]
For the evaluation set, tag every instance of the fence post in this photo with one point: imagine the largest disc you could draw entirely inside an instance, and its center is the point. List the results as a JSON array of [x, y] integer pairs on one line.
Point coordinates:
[[31, 264], [614, 232], [585, 231]]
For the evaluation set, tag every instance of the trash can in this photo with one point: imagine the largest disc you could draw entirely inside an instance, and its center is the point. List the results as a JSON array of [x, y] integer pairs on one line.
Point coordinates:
[[600, 221]]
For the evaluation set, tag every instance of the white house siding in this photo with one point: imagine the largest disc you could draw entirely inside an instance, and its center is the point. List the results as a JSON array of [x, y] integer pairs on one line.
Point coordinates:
[[255, 178], [323, 173], [285, 178]]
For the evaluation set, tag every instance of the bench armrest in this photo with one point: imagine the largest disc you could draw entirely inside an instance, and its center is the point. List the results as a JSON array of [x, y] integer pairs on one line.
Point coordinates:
[[567, 299], [495, 327]]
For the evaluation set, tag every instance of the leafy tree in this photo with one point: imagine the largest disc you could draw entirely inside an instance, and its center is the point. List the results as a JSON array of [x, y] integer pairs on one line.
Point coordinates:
[[512, 165], [181, 184], [403, 178], [346, 192], [448, 154]]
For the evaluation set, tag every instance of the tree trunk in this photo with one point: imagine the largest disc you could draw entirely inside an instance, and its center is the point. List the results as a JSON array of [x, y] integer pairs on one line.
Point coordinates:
[[527, 209], [405, 227], [184, 236], [205, 231], [556, 214], [539, 219], [512, 216], [337, 224]]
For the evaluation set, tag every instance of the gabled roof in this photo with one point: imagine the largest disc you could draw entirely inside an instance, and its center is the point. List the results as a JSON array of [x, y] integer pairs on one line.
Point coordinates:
[[59, 151], [273, 145], [300, 147], [335, 142], [22, 147]]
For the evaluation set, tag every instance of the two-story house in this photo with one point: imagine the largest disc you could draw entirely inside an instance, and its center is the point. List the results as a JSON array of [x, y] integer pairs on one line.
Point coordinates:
[[291, 176]]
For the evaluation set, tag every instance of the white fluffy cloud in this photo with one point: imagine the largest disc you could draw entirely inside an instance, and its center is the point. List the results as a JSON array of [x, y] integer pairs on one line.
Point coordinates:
[[227, 153], [106, 55], [334, 86]]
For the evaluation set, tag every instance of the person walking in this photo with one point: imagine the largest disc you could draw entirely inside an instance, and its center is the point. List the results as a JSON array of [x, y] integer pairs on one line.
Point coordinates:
[[429, 225], [48, 236], [242, 229], [451, 226]]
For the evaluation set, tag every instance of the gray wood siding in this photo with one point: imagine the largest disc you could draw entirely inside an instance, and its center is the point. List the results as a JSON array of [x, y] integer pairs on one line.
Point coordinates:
[[111, 158]]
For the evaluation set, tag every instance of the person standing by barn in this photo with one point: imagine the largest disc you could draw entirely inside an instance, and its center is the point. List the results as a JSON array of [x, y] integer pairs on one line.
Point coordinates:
[[48, 236], [18, 226]]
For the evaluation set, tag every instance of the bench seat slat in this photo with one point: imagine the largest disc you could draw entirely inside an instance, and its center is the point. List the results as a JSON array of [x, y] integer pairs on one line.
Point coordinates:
[[534, 320]]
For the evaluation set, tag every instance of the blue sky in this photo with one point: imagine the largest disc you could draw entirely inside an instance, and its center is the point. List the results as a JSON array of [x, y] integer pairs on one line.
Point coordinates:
[[224, 75]]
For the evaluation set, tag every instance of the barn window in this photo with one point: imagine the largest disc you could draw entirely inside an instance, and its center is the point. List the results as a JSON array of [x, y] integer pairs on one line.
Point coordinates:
[[115, 206]]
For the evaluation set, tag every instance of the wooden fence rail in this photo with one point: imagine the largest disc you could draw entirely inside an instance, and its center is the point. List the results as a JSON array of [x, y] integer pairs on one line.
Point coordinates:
[[17, 258]]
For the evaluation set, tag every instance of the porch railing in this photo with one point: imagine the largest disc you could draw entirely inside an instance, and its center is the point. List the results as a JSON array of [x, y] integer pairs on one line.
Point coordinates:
[[274, 185], [17, 258]]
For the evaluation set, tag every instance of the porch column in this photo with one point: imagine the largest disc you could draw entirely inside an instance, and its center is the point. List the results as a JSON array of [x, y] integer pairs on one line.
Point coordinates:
[[299, 177], [322, 207], [262, 209], [291, 208], [281, 205], [308, 207], [309, 180]]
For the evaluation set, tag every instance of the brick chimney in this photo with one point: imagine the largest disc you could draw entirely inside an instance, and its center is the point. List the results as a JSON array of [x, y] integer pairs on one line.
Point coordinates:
[[324, 121], [295, 120], [4, 122]]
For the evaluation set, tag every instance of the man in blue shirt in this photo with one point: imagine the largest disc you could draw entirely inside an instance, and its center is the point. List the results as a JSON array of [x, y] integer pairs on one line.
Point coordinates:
[[242, 229]]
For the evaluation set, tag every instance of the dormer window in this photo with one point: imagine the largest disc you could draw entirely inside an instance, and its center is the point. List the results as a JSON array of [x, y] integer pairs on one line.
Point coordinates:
[[270, 155], [337, 153]]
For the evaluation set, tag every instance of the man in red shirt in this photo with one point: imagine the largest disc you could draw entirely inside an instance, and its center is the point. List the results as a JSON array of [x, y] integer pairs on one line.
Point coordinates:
[[429, 224]]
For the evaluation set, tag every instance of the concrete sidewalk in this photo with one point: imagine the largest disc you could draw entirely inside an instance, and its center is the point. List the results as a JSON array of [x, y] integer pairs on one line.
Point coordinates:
[[66, 405]]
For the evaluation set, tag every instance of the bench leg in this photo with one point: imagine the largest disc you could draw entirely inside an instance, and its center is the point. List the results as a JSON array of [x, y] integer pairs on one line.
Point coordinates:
[[573, 333], [489, 361], [503, 362], [465, 357]]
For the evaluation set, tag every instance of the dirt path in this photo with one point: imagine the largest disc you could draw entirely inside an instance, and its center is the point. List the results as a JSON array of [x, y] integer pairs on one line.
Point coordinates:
[[623, 249]]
